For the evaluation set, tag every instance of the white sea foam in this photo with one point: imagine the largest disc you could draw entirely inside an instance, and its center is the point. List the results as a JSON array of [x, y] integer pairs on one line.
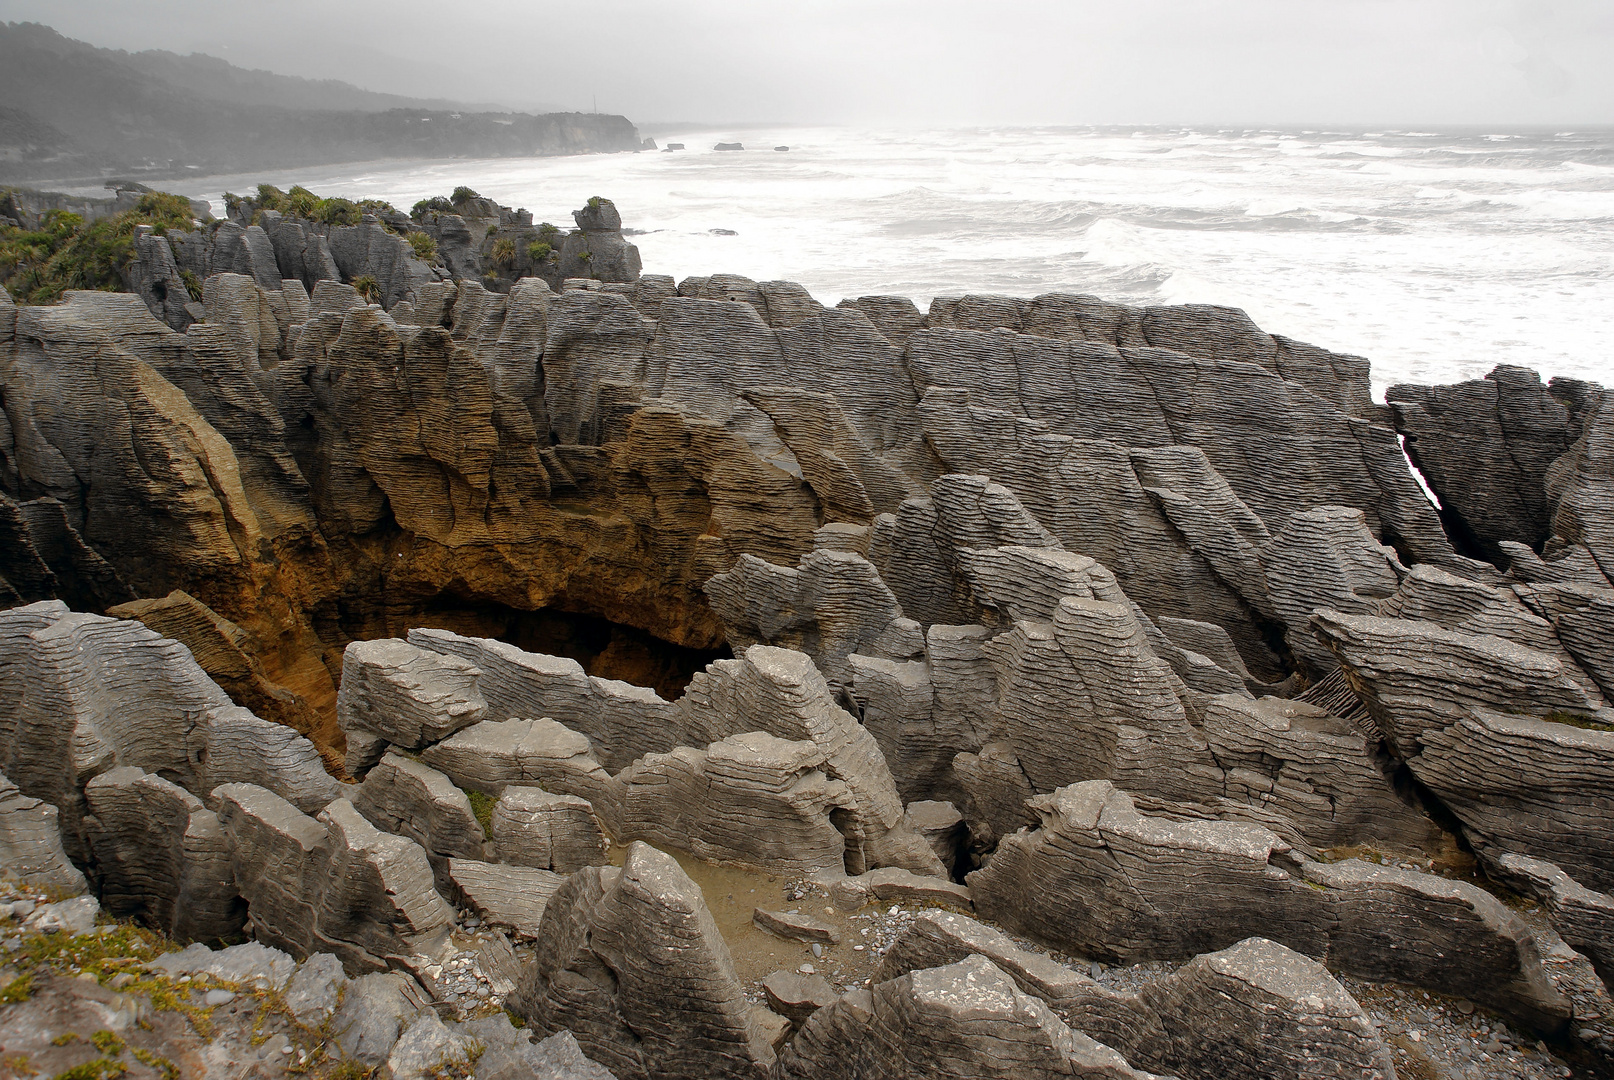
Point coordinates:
[[1436, 255]]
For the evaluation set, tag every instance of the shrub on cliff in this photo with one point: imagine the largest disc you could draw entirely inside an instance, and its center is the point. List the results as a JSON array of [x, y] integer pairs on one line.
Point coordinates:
[[368, 288], [65, 253], [504, 252], [539, 251], [425, 206], [462, 195], [424, 247]]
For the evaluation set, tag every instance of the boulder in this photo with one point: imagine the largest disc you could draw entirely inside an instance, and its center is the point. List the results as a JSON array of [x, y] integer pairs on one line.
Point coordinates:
[[508, 896], [161, 856], [409, 696], [964, 1020], [630, 961], [490, 756], [332, 884], [402, 796], [750, 799], [532, 827], [31, 844]]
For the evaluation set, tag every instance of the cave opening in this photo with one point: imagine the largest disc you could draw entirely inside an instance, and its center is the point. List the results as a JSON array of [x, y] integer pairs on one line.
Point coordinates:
[[607, 649]]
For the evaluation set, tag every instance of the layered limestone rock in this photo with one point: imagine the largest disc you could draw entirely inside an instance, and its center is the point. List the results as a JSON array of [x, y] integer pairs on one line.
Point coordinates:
[[31, 844], [783, 692], [1512, 748], [1582, 917], [399, 694], [83, 694], [332, 883], [596, 249], [403, 796], [1315, 769], [1485, 447], [630, 961], [831, 605], [967, 1019], [161, 856], [1253, 1010], [513, 897], [226, 652], [532, 827], [1100, 878], [490, 756], [622, 722], [751, 799]]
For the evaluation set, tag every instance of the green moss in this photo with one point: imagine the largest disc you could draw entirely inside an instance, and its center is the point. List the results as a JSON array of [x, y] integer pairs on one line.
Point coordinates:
[[169, 1070], [482, 805], [18, 990], [107, 1042], [64, 1038], [1579, 720], [99, 1069], [17, 1065]]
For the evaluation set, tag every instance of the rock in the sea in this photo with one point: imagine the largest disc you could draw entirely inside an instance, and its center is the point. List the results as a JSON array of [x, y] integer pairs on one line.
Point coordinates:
[[630, 961]]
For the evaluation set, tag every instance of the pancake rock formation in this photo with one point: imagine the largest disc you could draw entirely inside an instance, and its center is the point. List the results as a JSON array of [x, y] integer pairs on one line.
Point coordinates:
[[444, 616]]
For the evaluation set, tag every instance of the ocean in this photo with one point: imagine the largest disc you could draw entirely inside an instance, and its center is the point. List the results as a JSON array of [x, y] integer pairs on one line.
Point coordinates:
[[1437, 255]]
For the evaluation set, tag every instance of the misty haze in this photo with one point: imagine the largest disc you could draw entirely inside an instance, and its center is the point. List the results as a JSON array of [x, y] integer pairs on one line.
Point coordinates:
[[807, 541]]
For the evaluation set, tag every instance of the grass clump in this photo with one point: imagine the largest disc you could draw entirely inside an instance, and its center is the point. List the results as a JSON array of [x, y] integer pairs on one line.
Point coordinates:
[[169, 1070], [1579, 720], [193, 284], [37, 266], [424, 247], [482, 805], [368, 288], [504, 252], [107, 1042], [18, 990]]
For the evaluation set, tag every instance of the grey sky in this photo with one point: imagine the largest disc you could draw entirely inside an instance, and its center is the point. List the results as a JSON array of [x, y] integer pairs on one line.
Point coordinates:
[[920, 62]]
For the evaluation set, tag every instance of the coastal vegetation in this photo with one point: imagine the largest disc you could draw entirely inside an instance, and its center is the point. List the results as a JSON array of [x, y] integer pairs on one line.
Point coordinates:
[[65, 252]]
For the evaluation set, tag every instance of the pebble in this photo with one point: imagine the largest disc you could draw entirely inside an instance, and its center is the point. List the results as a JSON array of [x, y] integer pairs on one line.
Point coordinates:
[[818, 950], [807, 969], [215, 998]]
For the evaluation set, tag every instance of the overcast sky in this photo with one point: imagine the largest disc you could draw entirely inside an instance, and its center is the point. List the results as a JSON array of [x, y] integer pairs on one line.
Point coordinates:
[[920, 62]]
